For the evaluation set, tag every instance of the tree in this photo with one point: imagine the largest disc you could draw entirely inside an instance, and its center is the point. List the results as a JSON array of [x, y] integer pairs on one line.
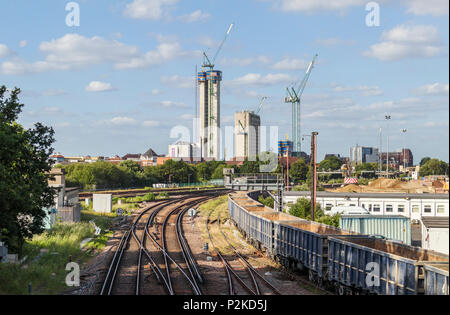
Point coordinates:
[[424, 160], [302, 209], [268, 202], [24, 173], [218, 172], [298, 171], [434, 167], [206, 169], [331, 163], [249, 167]]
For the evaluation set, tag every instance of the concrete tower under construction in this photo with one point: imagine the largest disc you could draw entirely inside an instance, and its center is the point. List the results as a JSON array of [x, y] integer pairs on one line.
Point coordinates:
[[209, 89]]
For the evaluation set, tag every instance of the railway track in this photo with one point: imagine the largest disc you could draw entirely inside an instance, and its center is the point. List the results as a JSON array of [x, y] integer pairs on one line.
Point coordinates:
[[174, 270], [243, 274], [179, 192]]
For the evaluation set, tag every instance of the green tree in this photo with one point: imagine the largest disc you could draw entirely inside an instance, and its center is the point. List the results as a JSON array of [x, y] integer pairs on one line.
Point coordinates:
[[298, 171], [218, 172], [302, 209], [268, 202], [250, 167], [424, 160], [434, 167], [24, 173], [331, 163]]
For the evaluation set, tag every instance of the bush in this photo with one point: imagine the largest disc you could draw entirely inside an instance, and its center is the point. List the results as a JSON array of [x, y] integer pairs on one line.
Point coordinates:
[[268, 202], [149, 197], [302, 209], [163, 195]]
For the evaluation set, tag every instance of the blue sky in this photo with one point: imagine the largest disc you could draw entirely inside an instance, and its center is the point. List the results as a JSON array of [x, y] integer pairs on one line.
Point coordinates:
[[123, 79]]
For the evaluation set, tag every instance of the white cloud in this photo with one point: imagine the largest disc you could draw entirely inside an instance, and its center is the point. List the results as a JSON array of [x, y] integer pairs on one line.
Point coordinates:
[[290, 64], [156, 92], [334, 41], [54, 93], [243, 62], [196, 16], [436, 124], [208, 42], [362, 89], [416, 7], [178, 81], [425, 7], [122, 121], [433, 89], [23, 43], [5, 51], [406, 41], [74, 51], [97, 86], [258, 79], [187, 117], [151, 123], [148, 9], [318, 5]]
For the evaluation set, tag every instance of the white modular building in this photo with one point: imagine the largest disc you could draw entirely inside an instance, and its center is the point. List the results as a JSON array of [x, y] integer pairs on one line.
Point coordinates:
[[413, 206]]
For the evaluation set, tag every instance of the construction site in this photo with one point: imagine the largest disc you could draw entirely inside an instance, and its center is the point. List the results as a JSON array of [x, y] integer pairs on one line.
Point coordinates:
[[383, 185]]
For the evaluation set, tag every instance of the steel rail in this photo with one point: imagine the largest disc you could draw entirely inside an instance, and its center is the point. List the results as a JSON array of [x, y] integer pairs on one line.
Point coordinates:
[[112, 264], [166, 254], [249, 266], [227, 266], [191, 260]]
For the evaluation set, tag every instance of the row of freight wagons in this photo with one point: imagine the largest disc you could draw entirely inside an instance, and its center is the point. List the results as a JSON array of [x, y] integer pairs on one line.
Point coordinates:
[[349, 261]]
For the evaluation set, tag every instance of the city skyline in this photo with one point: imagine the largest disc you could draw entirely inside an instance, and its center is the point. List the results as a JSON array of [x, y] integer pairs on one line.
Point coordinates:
[[125, 77]]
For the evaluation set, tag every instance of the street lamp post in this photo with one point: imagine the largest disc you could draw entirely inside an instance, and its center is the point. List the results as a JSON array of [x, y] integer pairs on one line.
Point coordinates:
[[388, 117]]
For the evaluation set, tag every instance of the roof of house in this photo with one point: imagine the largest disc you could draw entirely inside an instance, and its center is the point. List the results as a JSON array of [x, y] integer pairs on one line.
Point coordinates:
[[131, 156], [435, 222], [150, 153]]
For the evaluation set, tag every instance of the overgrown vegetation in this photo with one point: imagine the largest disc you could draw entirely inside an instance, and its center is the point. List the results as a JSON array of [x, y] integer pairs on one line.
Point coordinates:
[[24, 167], [302, 209], [268, 201], [47, 254]]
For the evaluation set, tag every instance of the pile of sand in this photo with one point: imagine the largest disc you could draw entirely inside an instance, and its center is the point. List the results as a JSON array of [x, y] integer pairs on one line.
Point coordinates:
[[387, 185]]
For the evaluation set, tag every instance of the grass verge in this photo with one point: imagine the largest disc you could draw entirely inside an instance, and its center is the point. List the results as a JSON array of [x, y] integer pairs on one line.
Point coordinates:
[[47, 255]]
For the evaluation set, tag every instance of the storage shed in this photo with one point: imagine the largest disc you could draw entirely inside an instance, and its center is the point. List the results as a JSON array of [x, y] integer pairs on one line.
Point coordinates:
[[435, 234]]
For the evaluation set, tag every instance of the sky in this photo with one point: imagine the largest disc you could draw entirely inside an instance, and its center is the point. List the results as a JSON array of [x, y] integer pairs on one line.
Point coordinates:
[[122, 79]]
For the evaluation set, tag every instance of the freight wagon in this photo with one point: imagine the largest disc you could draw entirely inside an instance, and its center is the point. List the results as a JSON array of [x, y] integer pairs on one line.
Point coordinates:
[[436, 279], [338, 258], [373, 265]]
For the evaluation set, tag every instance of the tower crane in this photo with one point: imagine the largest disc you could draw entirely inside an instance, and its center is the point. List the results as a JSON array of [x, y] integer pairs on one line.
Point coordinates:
[[245, 134], [207, 63], [261, 105], [294, 97]]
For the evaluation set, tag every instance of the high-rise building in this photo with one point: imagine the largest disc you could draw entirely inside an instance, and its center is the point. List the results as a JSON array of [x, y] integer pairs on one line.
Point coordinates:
[[359, 155], [209, 86], [247, 134]]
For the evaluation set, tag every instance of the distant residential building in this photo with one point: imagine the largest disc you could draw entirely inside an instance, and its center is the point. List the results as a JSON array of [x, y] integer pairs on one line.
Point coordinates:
[[132, 157], [163, 159], [181, 149], [247, 134], [398, 158], [149, 158], [57, 158], [360, 154]]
